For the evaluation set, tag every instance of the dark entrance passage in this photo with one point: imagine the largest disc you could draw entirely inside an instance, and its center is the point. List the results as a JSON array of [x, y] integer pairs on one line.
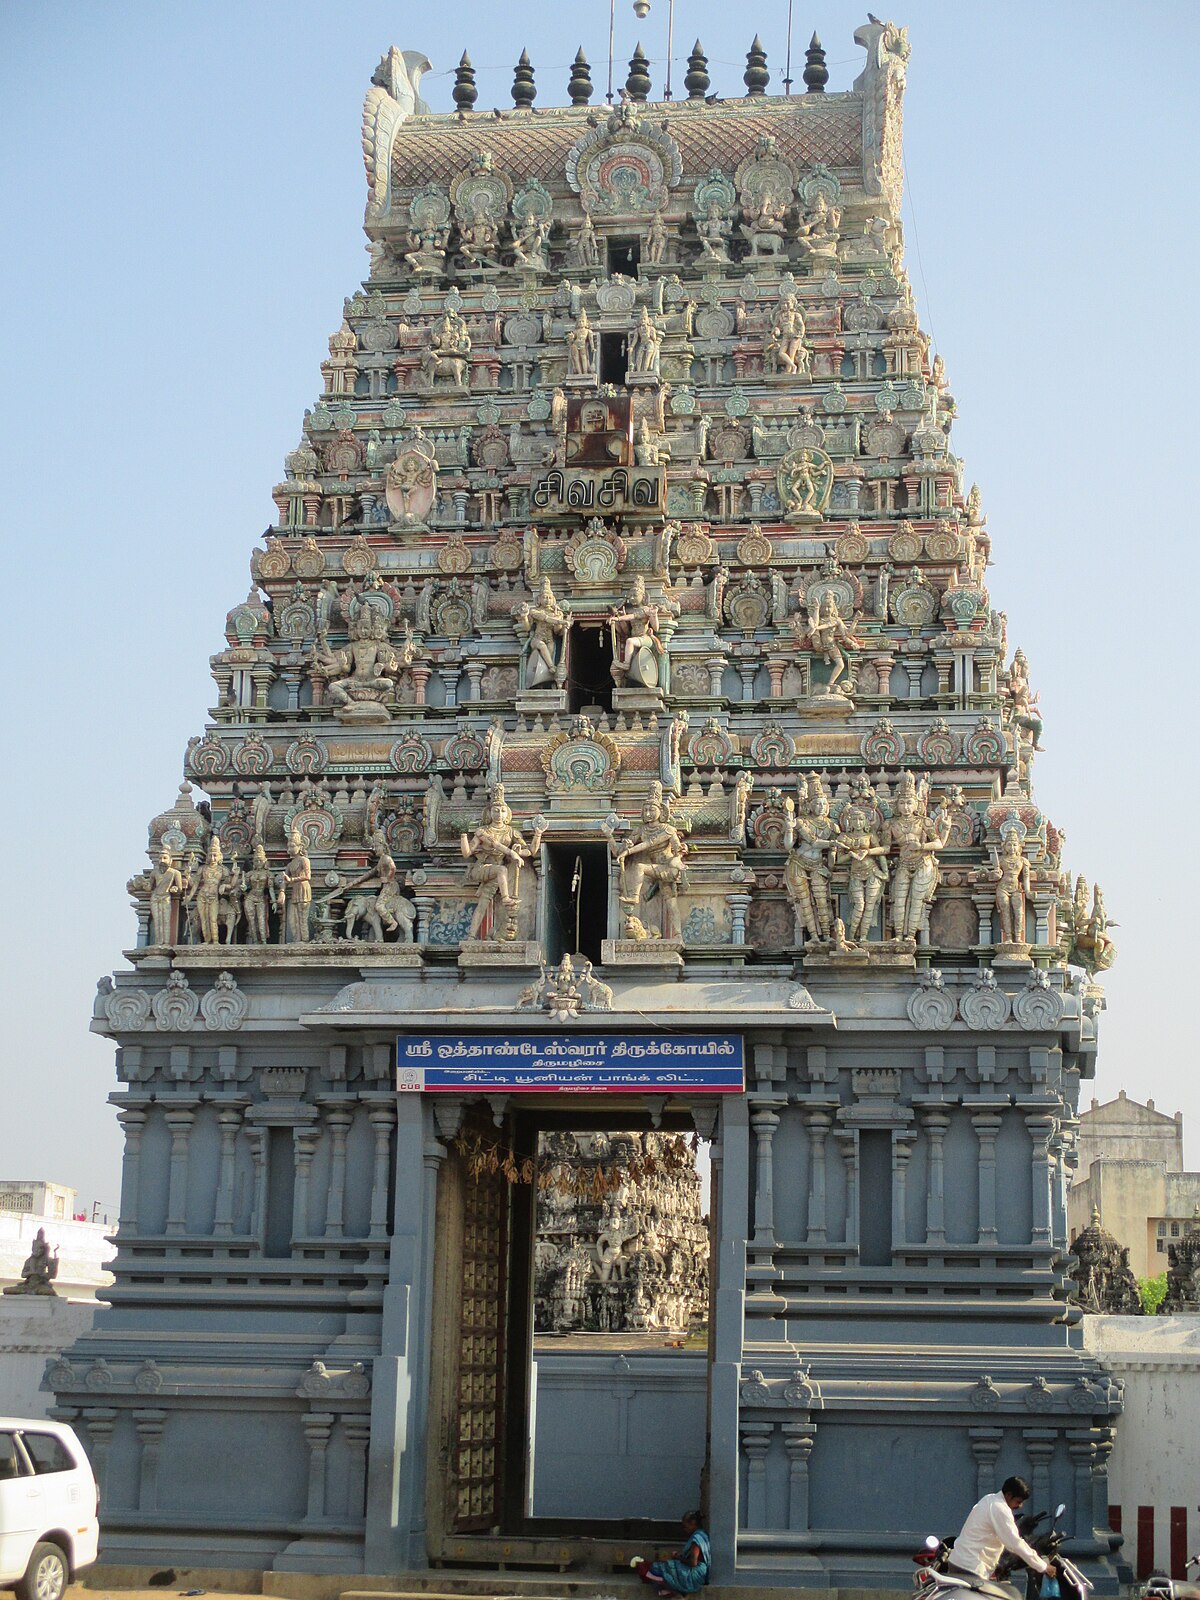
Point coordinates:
[[590, 685], [614, 361], [576, 900], [624, 256]]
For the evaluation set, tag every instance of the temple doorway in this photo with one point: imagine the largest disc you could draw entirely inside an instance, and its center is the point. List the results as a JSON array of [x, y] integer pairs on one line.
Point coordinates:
[[571, 1318], [577, 892], [590, 684]]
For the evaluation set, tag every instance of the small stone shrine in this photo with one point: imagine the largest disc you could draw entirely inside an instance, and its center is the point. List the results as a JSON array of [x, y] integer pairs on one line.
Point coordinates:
[[629, 1260], [620, 675], [1103, 1278]]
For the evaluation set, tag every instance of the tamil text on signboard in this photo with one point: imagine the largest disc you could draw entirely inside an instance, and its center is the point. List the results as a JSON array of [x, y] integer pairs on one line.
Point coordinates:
[[651, 1063]]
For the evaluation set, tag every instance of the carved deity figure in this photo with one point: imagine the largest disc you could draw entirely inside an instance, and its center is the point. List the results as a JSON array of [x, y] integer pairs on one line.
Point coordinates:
[[638, 650], [809, 837], [362, 674], [832, 636], [427, 249], [206, 892], [587, 245], [582, 345], [917, 839], [650, 450], [651, 863], [389, 911], [543, 626], [39, 1270], [410, 483], [765, 216], [713, 229], [644, 345], [1011, 875], [497, 853], [166, 888], [656, 240], [802, 485], [530, 240], [1023, 702], [295, 891], [448, 352], [232, 900], [478, 239], [858, 847], [817, 234], [785, 346], [256, 899], [260, 811]]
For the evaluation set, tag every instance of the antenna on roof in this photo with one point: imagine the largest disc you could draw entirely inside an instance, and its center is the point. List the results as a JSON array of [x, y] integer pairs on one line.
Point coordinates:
[[612, 24], [787, 70]]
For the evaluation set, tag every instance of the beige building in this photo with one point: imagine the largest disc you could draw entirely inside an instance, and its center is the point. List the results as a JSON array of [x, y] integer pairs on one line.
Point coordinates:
[[1131, 1170]]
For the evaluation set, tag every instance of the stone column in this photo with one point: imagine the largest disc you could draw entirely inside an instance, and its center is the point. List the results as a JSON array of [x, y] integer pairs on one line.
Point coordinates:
[[848, 1139], [338, 1119], [756, 1441], [901, 1150], [133, 1120], [818, 1129], [179, 1120], [317, 1425], [798, 1442], [99, 1421], [987, 1126], [258, 1209], [305, 1144], [985, 1447], [1039, 1447], [149, 1425], [1082, 1448], [935, 1123], [1042, 1129], [357, 1431], [764, 1119], [381, 1118], [229, 1120]]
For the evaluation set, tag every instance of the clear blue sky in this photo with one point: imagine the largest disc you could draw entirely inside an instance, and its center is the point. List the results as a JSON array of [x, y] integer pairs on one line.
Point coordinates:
[[182, 195]]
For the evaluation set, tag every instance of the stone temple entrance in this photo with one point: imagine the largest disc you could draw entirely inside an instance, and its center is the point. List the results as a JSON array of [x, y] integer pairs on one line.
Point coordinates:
[[572, 1296]]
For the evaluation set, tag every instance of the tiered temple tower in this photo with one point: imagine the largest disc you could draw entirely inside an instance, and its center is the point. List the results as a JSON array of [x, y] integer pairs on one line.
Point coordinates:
[[621, 665]]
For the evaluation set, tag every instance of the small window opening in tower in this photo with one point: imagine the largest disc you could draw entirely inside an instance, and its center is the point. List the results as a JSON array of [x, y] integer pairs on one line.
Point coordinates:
[[590, 685], [576, 900], [613, 359], [624, 255]]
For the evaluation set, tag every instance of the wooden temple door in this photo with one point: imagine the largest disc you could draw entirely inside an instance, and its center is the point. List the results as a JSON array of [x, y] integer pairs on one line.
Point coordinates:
[[466, 1490]]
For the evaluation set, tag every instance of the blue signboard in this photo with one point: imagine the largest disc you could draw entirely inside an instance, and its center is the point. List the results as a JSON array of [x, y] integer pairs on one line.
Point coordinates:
[[571, 1063]]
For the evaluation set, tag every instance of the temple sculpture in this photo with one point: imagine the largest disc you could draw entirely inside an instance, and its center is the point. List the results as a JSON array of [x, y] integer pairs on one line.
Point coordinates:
[[1103, 1279], [634, 1261], [620, 742]]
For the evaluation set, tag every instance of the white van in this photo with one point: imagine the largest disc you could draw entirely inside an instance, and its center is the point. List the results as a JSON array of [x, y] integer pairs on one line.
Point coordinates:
[[48, 1508]]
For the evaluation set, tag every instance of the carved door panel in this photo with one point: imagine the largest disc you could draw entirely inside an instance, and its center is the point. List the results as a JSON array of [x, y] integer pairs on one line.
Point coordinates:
[[476, 1456]]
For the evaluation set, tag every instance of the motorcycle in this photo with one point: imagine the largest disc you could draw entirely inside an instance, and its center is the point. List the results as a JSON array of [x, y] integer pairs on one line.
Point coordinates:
[[1159, 1586], [933, 1582]]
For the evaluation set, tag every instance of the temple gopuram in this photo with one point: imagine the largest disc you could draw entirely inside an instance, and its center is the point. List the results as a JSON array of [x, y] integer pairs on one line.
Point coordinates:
[[619, 741]]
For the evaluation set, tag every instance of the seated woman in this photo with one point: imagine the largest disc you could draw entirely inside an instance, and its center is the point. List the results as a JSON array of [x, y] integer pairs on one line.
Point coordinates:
[[686, 1571]]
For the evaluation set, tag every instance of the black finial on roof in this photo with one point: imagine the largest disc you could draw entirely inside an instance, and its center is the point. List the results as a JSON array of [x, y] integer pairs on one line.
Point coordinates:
[[580, 85], [816, 73], [697, 81], [524, 91], [637, 84], [756, 77], [464, 92]]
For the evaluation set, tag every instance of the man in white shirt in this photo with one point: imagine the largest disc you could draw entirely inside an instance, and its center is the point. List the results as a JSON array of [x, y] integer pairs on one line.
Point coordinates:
[[990, 1530]]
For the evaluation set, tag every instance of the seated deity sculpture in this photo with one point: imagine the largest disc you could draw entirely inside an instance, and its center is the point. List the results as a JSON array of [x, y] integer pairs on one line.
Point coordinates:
[[39, 1269], [388, 911], [447, 357], [638, 649], [361, 676], [817, 234], [713, 230]]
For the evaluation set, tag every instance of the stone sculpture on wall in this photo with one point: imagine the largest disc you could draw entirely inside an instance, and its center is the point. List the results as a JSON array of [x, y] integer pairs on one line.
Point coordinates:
[[1183, 1272], [497, 853], [651, 866]]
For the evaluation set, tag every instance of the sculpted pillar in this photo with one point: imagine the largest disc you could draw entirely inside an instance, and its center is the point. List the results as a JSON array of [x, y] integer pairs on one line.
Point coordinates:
[[179, 1120]]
